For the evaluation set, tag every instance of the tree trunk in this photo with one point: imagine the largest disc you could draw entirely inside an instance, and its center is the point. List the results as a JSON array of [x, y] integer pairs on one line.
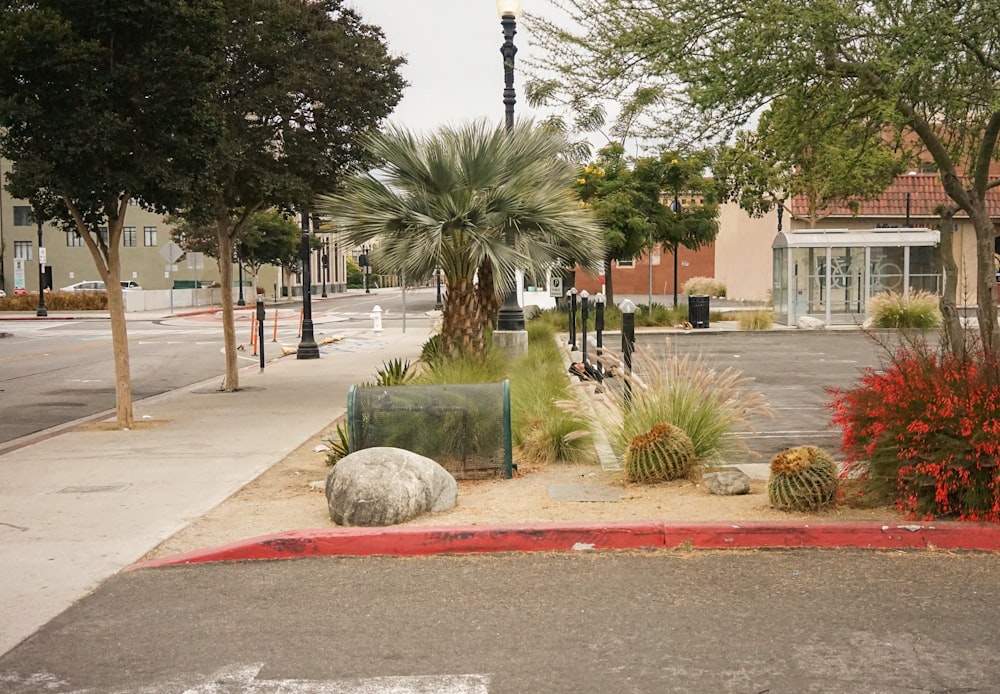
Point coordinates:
[[462, 321], [986, 284], [232, 380], [119, 342], [486, 295], [107, 260], [954, 335]]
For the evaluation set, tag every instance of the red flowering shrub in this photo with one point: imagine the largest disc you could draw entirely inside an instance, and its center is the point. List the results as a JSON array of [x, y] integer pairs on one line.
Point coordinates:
[[924, 433]]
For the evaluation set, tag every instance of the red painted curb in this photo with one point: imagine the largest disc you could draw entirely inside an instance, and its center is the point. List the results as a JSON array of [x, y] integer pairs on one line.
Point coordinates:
[[428, 540]]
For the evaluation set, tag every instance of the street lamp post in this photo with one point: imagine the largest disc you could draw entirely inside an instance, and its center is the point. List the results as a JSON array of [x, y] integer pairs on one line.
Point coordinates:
[[365, 264], [437, 303], [325, 269], [308, 349], [239, 263], [41, 312], [511, 316], [676, 207]]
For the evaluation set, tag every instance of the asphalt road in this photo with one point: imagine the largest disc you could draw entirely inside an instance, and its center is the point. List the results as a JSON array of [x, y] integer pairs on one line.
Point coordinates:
[[53, 371], [743, 622]]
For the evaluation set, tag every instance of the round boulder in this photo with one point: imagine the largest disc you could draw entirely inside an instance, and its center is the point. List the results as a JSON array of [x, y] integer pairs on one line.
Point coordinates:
[[385, 486]]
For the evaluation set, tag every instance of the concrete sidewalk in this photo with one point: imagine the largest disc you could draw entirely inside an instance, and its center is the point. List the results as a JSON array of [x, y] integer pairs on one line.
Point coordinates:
[[77, 507]]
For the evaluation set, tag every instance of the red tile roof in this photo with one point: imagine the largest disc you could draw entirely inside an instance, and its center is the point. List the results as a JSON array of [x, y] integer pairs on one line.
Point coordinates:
[[926, 194]]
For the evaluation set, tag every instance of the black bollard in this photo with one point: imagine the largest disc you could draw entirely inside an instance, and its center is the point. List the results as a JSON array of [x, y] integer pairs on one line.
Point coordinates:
[[584, 303], [572, 319], [628, 344], [260, 328], [599, 322]]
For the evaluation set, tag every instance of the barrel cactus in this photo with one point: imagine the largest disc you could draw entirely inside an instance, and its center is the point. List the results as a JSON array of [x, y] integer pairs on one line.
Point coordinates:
[[663, 453], [804, 478]]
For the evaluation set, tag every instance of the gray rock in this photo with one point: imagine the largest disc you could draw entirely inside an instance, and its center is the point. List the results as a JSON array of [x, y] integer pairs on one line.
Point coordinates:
[[810, 323], [385, 486], [727, 482]]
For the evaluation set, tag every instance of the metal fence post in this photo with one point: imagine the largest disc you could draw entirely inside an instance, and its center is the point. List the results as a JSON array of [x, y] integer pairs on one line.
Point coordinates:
[[584, 303]]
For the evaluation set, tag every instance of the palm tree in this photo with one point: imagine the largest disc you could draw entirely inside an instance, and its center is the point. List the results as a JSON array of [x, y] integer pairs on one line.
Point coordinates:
[[448, 199]]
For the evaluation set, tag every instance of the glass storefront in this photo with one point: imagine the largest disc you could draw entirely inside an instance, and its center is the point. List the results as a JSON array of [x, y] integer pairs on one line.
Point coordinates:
[[831, 274]]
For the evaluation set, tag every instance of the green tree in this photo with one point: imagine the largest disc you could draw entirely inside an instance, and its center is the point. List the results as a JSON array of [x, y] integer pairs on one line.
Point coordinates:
[[105, 104], [606, 185], [804, 146], [930, 69], [447, 200], [268, 238], [680, 202], [303, 82]]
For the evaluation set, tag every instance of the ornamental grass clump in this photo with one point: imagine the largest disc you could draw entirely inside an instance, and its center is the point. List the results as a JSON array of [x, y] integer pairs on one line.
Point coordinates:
[[662, 454], [914, 310], [804, 478], [923, 432], [758, 319], [709, 405], [707, 286]]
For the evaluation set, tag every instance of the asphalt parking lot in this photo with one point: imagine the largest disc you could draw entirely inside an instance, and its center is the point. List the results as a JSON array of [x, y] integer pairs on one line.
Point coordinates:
[[793, 369]]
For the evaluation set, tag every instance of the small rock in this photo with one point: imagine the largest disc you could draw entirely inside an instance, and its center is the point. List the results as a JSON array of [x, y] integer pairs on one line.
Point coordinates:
[[810, 323], [727, 482]]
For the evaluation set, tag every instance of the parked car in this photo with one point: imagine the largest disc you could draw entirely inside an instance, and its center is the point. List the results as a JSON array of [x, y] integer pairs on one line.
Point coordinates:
[[130, 284], [88, 286]]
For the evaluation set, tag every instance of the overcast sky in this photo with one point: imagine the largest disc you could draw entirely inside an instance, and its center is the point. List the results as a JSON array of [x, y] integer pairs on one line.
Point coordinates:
[[454, 66]]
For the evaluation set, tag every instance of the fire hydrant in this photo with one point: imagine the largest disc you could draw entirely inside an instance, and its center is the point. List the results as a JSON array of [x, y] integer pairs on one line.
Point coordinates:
[[376, 316]]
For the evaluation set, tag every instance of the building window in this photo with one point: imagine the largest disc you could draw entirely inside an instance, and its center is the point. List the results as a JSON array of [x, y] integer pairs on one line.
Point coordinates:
[[149, 236], [128, 236], [22, 216], [73, 239], [104, 234], [22, 249], [627, 263]]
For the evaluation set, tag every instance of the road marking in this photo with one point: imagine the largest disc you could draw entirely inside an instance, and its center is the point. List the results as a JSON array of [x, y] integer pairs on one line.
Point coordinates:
[[242, 679]]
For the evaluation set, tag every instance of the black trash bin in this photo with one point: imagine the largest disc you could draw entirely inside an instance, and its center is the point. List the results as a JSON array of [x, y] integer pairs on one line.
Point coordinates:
[[698, 311]]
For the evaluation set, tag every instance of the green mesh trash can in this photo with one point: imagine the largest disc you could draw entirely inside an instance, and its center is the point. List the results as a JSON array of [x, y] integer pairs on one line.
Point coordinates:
[[465, 428], [698, 306]]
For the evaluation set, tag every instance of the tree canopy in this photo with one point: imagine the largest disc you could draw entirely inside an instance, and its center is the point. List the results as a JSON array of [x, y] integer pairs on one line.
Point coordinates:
[[803, 146], [103, 105], [927, 68], [638, 202], [303, 83], [449, 200]]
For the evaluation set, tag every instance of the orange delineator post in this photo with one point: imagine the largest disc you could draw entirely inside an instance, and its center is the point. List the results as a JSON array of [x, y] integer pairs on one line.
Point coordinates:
[[275, 338], [253, 334], [302, 313]]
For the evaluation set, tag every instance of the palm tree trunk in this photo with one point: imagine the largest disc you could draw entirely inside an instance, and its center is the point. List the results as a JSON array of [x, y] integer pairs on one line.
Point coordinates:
[[462, 321], [486, 295]]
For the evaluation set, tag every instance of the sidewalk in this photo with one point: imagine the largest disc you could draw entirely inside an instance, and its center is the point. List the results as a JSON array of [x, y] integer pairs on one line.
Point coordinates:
[[78, 507]]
